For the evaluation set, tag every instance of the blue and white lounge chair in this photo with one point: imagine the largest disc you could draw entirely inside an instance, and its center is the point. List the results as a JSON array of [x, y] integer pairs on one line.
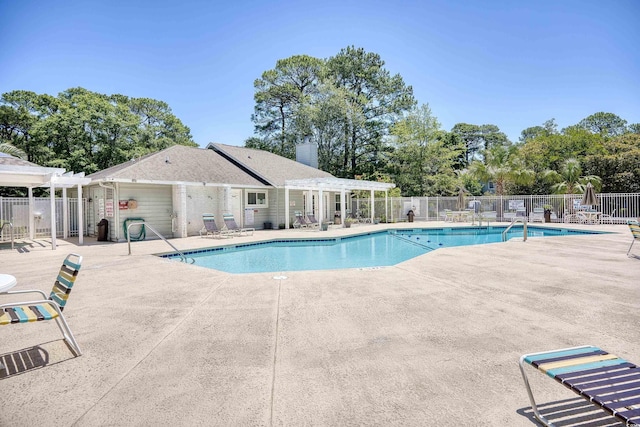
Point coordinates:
[[605, 380], [47, 308]]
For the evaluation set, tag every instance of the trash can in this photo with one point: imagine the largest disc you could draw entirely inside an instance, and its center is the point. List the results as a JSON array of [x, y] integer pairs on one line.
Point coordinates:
[[410, 216], [547, 215], [267, 225], [103, 230]]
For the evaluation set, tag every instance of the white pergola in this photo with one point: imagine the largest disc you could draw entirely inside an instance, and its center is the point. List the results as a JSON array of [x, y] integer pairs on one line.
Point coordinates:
[[32, 176], [336, 185]]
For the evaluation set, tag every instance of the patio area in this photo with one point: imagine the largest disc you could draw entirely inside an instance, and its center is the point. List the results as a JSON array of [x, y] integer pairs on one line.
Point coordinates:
[[431, 341]]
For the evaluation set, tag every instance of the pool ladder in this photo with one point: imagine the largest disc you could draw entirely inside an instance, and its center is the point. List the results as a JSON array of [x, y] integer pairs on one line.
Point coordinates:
[[183, 257], [523, 220]]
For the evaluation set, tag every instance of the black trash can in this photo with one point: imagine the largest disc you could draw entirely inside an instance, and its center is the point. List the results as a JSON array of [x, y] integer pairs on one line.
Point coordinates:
[[267, 225], [103, 230], [410, 216]]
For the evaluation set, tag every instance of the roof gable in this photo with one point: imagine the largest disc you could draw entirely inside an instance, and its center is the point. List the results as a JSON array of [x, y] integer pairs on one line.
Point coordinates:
[[271, 167], [180, 163]]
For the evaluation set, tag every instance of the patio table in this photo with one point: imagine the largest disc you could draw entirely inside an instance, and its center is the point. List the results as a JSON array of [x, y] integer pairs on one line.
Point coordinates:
[[7, 282]]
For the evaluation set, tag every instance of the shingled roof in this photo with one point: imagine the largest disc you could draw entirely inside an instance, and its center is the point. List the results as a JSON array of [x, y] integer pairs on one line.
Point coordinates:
[[6, 159], [180, 163], [270, 167]]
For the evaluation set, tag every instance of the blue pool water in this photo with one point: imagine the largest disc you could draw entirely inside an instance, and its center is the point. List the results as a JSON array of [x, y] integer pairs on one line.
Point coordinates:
[[369, 250]]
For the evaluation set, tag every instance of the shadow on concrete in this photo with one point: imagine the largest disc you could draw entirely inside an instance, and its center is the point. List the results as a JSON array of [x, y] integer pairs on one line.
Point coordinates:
[[572, 412], [21, 361]]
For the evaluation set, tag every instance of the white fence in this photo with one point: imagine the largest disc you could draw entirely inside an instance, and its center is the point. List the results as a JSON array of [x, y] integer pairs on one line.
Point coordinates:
[[16, 211], [620, 206]]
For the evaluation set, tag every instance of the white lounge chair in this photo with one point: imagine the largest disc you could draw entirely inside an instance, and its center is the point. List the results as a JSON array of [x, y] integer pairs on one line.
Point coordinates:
[[536, 215]]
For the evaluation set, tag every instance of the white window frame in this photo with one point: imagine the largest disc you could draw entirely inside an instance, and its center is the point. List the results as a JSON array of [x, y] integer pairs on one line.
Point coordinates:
[[256, 205]]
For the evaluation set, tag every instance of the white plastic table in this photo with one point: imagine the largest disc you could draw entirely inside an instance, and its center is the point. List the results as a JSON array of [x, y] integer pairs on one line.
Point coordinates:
[[7, 282]]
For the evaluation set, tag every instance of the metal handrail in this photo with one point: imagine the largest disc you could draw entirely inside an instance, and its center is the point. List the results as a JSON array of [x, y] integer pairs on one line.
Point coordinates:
[[183, 257], [2, 224], [523, 220]]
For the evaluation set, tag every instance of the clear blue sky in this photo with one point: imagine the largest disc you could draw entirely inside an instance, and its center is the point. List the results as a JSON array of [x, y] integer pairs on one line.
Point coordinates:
[[511, 63]]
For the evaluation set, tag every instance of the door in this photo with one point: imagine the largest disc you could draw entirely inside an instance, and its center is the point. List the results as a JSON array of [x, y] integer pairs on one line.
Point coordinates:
[[236, 206]]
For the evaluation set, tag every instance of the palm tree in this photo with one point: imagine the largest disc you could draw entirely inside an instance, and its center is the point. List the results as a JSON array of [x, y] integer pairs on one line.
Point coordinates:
[[570, 179], [11, 150], [501, 167]]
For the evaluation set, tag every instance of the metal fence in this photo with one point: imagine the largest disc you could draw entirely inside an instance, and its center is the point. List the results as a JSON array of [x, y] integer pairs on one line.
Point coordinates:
[[16, 211], [620, 206]]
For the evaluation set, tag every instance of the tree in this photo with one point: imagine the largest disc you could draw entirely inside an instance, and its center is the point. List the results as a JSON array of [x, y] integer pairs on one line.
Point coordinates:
[[548, 128], [607, 124], [479, 138], [9, 149], [278, 95], [422, 161], [550, 151], [570, 179], [375, 101], [619, 167], [502, 166], [85, 131]]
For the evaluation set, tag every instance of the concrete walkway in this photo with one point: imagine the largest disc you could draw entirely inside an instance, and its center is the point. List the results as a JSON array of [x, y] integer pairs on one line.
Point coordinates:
[[431, 341]]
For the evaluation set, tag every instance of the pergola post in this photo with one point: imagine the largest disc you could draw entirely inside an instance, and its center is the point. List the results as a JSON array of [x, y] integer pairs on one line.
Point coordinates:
[[52, 198], [32, 220], [286, 208], [343, 201], [65, 214], [80, 216], [320, 207], [372, 202], [386, 205]]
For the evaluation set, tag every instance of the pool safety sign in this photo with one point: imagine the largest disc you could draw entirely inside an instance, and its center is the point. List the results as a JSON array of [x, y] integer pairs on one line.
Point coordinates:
[[248, 216]]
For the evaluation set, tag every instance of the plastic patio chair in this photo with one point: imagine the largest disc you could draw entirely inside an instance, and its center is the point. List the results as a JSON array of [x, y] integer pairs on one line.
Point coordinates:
[[47, 308], [607, 217]]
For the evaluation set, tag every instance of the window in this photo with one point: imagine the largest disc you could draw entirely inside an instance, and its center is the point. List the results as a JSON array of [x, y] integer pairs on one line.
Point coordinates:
[[337, 203], [257, 199]]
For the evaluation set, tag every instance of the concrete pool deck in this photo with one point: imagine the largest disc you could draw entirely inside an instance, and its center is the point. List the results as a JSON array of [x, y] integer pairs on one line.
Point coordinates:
[[431, 341]]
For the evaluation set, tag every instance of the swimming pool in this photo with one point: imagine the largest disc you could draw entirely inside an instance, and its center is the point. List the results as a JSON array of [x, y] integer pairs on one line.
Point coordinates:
[[377, 249]]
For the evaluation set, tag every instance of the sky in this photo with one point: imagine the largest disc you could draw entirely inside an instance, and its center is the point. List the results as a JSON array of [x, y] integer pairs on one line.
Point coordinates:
[[514, 64]]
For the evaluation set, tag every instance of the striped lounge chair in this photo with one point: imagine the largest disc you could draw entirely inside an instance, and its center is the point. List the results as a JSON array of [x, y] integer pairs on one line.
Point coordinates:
[[231, 226], [211, 228], [634, 227], [603, 379], [47, 309]]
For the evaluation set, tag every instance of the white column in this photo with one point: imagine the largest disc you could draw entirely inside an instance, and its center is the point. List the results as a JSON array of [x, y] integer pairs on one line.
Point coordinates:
[[386, 204], [286, 208], [372, 202], [81, 216], [320, 206], [52, 198], [65, 214], [32, 220], [180, 211], [343, 208]]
